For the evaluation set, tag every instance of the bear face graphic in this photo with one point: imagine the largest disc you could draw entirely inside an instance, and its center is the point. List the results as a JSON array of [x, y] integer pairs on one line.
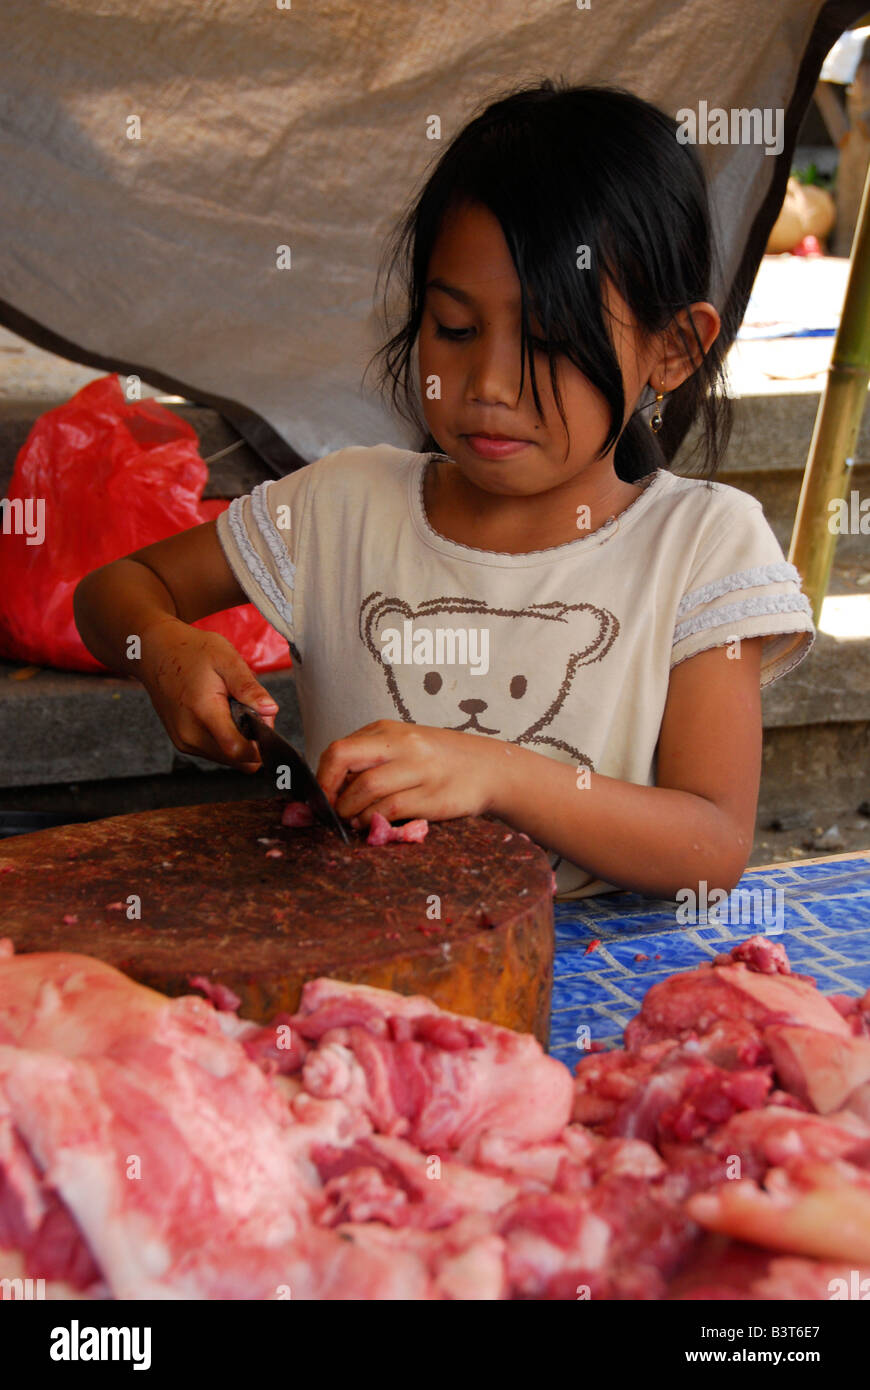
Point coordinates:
[[443, 660]]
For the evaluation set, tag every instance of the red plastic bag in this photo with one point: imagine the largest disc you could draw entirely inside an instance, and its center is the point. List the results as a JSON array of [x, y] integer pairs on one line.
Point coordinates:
[[98, 477]]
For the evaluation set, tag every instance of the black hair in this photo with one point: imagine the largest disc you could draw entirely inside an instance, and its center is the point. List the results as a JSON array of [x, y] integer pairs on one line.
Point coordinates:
[[564, 166]]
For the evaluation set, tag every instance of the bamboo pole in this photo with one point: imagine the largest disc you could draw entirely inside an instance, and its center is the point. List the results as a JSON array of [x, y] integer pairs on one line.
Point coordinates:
[[829, 464]]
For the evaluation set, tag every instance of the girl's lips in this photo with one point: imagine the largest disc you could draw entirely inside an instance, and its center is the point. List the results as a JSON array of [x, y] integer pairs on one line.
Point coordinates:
[[490, 448]]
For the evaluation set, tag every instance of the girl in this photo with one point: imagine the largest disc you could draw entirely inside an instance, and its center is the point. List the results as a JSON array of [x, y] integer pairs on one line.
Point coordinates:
[[532, 616]]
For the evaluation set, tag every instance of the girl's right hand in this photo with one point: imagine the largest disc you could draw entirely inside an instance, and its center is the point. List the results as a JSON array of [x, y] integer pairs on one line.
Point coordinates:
[[190, 675]]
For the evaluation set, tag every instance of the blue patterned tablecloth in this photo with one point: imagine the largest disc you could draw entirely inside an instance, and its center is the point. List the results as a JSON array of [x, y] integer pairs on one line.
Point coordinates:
[[823, 920]]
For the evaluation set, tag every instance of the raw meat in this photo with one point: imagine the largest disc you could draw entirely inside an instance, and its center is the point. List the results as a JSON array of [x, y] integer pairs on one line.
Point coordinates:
[[766, 957], [382, 833], [819, 1068], [855, 1011], [299, 813], [807, 1208], [690, 1003], [222, 998], [433, 1077], [99, 1073], [769, 1136], [373, 1146], [152, 1127]]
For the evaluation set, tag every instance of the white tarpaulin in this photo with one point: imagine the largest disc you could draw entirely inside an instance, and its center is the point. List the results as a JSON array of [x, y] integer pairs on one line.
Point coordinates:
[[157, 153]]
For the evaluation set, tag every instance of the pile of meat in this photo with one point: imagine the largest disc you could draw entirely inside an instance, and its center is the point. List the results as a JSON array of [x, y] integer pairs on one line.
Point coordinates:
[[373, 1146]]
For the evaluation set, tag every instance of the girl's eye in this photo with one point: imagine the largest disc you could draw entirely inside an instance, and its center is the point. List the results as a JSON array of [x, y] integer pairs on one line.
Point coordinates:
[[461, 335], [455, 335]]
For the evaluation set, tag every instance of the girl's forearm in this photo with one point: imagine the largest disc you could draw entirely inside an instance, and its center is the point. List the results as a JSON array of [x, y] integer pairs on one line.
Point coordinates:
[[115, 603], [650, 839]]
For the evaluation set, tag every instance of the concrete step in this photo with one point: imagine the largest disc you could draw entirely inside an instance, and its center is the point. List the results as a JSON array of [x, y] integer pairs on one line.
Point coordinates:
[[66, 726], [767, 455]]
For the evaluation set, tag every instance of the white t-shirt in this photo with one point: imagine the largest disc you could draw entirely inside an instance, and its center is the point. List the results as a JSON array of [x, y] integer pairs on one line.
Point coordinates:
[[566, 651]]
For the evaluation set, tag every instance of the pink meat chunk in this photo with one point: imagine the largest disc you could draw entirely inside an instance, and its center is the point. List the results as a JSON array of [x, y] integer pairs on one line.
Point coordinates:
[[776, 1134], [95, 1070], [435, 1078], [382, 833], [855, 1011], [820, 1068], [36, 1223], [277, 1048], [693, 1002], [297, 814], [858, 1103], [806, 1208], [220, 995], [767, 957]]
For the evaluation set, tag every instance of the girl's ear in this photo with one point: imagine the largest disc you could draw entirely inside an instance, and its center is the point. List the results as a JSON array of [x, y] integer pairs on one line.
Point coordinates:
[[681, 353]]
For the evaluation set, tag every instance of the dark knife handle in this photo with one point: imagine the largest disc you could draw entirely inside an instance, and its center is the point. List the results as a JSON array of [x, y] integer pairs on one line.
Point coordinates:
[[241, 717]]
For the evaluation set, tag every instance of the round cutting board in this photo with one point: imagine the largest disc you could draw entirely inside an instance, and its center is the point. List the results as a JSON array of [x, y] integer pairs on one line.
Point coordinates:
[[465, 917]]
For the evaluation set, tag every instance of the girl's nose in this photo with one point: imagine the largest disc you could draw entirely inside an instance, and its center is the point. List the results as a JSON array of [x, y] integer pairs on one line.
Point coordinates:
[[495, 371]]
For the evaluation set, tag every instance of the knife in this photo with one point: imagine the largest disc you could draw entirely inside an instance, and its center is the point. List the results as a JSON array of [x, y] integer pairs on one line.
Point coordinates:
[[277, 753]]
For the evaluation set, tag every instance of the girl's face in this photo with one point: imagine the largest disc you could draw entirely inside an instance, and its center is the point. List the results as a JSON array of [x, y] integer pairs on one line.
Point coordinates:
[[470, 341]]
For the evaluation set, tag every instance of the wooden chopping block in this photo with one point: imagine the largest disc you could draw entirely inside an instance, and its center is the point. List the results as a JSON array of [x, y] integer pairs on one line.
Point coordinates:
[[214, 903]]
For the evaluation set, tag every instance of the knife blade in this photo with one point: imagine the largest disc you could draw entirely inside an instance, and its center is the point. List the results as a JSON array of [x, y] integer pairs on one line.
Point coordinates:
[[277, 753]]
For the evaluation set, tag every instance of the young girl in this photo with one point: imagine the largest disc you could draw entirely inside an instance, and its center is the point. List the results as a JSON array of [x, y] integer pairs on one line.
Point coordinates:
[[532, 617]]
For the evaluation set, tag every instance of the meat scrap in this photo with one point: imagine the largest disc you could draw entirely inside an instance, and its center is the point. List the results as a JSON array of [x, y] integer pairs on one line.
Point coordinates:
[[374, 1146], [298, 813], [382, 833], [223, 998], [855, 1011], [690, 1003]]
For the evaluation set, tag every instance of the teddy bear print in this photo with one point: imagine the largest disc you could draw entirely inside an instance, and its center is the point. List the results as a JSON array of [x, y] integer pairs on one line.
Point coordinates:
[[441, 658]]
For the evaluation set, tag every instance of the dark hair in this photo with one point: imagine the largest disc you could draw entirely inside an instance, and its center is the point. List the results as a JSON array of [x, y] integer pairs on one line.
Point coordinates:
[[561, 166]]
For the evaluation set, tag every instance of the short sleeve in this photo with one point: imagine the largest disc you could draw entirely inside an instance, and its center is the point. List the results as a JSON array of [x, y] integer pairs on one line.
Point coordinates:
[[742, 586], [257, 535]]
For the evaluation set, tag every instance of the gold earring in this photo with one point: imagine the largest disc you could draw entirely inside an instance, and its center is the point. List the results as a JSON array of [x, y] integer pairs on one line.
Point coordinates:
[[656, 420]]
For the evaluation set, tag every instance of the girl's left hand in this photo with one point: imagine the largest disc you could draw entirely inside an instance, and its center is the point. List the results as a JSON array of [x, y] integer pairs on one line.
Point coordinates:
[[409, 770]]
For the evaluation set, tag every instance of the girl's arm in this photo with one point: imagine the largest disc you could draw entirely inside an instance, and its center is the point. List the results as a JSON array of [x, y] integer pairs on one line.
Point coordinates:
[[154, 595], [696, 823], [185, 576]]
